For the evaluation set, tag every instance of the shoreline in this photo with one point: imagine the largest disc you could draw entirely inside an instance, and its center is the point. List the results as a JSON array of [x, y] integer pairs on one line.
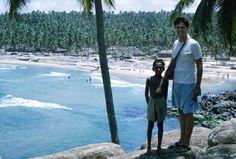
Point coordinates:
[[135, 70]]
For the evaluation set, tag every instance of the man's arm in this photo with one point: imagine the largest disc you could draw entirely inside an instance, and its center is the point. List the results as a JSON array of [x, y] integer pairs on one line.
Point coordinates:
[[167, 72], [197, 90]]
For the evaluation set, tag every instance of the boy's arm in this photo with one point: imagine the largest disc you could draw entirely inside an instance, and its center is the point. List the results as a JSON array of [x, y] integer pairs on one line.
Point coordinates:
[[166, 89], [147, 89]]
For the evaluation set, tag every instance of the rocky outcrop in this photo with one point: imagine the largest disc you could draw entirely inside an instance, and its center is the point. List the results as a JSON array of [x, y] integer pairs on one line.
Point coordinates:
[[93, 151], [223, 137], [199, 138]]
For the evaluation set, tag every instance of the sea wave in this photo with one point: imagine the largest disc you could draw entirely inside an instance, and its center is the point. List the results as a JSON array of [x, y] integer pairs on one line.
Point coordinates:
[[55, 74], [11, 101], [115, 82], [135, 119], [11, 67]]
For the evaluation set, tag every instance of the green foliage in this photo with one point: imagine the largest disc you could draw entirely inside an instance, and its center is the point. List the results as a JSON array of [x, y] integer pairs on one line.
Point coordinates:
[[38, 31], [210, 118]]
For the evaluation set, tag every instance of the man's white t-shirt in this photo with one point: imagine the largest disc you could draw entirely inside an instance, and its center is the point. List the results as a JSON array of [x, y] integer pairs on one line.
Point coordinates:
[[185, 64]]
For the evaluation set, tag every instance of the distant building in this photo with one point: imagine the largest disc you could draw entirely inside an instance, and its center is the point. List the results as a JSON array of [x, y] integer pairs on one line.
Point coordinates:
[[60, 50], [124, 52], [223, 56], [154, 50], [2, 51], [165, 53]]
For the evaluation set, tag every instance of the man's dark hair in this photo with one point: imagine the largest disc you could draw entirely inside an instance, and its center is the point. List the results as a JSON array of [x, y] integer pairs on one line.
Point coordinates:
[[181, 19], [158, 61]]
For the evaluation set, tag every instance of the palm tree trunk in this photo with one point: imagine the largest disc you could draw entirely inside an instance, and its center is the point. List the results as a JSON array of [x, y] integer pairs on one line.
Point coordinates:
[[105, 72]]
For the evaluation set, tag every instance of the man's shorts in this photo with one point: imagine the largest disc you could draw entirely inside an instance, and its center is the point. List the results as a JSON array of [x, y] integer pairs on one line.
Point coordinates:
[[156, 109], [182, 97]]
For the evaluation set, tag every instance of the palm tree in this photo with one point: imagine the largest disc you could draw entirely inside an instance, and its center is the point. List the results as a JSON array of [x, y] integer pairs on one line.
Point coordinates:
[[88, 5], [16, 5], [225, 11]]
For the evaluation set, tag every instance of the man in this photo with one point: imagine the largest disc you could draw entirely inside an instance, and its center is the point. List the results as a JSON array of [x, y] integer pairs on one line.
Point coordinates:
[[186, 87]]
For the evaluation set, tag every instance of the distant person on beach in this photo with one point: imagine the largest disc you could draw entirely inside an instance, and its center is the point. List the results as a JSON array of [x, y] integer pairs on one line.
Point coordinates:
[[156, 103], [186, 87]]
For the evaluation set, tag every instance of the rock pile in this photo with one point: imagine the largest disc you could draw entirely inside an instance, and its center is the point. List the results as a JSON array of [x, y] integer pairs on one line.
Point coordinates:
[[220, 107]]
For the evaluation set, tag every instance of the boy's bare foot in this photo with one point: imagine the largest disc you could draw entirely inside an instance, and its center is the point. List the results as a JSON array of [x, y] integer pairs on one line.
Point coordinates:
[[149, 151], [158, 150]]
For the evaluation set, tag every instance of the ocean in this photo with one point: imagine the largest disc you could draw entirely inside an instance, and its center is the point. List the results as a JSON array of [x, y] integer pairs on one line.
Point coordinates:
[[45, 110]]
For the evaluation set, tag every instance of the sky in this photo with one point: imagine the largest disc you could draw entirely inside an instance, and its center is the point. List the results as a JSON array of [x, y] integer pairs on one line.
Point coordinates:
[[120, 5]]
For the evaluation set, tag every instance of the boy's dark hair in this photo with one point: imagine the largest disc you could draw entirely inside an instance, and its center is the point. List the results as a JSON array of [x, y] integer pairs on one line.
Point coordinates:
[[158, 61], [181, 19]]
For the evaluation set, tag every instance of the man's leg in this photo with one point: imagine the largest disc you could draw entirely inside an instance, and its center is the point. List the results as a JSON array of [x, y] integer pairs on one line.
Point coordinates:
[[182, 122], [189, 128]]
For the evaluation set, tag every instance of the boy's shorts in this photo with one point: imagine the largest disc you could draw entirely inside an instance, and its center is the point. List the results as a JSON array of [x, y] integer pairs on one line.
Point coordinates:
[[156, 109], [182, 97]]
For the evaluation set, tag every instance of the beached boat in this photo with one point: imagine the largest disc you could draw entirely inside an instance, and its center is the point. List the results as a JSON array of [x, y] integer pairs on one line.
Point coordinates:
[[233, 67], [24, 58], [34, 59]]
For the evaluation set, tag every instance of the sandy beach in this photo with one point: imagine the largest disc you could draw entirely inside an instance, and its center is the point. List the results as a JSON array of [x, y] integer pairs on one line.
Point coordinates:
[[136, 69]]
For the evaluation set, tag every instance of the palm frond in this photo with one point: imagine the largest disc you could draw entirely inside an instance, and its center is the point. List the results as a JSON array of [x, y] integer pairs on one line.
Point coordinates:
[[87, 5], [181, 5], [203, 17], [15, 7], [109, 3], [233, 34], [227, 19]]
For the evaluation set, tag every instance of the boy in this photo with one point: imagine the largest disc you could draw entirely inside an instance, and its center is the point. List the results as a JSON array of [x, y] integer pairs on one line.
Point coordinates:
[[156, 110]]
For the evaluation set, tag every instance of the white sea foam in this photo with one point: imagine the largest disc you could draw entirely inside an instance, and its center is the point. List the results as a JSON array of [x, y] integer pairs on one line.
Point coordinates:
[[134, 119], [11, 101], [8, 67], [115, 82], [54, 74], [11, 67]]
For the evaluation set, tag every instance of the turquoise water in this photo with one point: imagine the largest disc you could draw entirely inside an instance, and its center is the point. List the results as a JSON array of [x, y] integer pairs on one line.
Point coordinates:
[[42, 111]]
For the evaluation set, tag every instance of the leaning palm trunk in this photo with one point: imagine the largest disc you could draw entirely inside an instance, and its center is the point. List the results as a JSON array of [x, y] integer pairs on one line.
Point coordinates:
[[105, 72]]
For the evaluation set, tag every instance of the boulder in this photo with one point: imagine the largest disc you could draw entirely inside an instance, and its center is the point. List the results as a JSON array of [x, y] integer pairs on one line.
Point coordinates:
[[219, 152], [225, 133], [93, 151], [199, 138]]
